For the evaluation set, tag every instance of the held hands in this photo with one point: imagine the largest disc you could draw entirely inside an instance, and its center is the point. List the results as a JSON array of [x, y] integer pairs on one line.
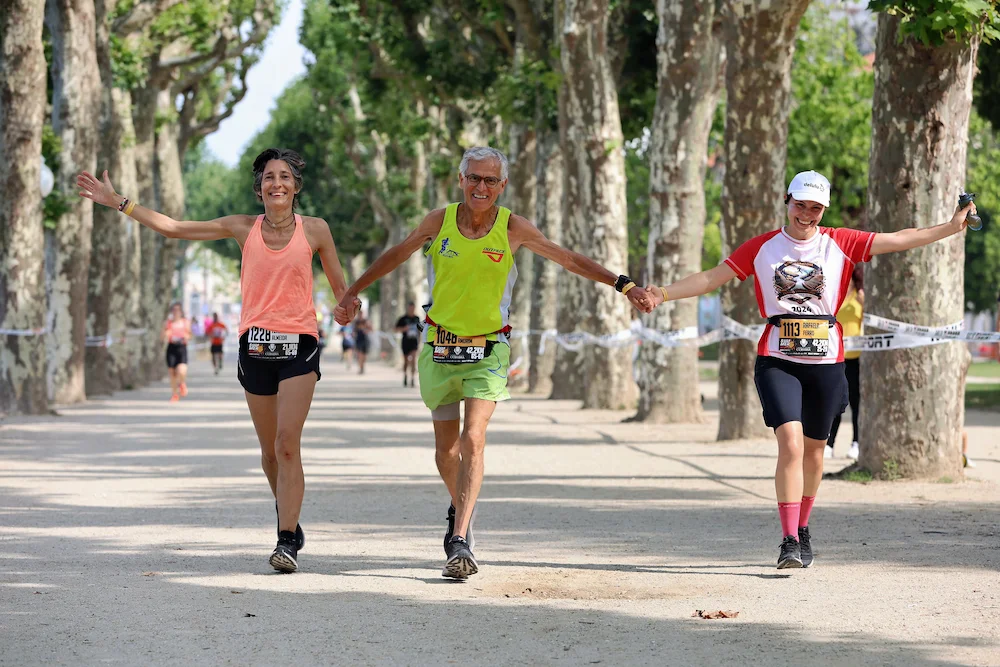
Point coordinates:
[[93, 189], [655, 295], [347, 309], [641, 298]]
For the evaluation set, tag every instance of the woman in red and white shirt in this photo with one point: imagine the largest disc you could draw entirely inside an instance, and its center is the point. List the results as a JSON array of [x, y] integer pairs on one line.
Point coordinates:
[[803, 275]]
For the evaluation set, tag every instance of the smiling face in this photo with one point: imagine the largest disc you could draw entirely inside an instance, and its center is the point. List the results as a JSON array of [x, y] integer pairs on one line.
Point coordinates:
[[479, 195], [277, 185], [803, 217]]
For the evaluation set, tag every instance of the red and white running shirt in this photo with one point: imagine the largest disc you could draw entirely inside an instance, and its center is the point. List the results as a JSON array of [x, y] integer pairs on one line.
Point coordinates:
[[801, 278]]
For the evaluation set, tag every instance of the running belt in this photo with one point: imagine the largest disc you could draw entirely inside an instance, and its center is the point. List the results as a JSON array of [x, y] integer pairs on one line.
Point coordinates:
[[505, 331], [775, 320]]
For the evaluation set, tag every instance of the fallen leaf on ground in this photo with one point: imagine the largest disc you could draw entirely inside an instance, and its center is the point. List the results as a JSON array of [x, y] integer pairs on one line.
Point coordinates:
[[249, 615], [700, 613], [236, 592], [150, 574]]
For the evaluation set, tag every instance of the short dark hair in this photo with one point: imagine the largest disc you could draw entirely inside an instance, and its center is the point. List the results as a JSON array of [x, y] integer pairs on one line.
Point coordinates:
[[294, 161]]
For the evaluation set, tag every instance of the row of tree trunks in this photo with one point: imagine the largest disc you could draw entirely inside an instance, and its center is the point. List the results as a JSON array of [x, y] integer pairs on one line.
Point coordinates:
[[922, 101], [22, 277], [108, 303], [75, 105], [760, 40], [689, 51], [594, 198], [544, 294], [520, 198]]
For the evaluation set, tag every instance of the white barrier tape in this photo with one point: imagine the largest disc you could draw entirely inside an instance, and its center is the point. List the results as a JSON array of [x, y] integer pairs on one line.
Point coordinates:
[[951, 332], [24, 332], [107, 340]]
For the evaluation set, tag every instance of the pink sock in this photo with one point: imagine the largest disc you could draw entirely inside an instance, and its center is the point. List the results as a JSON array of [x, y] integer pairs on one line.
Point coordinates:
[[789, 513], [807, 507]]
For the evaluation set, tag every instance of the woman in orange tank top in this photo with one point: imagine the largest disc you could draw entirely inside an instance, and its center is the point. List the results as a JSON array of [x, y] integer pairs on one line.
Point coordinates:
[[176, 334], [278, 362]]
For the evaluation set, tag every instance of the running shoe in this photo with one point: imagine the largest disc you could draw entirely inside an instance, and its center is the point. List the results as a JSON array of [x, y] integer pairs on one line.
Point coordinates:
[[790, 555], [300, 537], [461, 563], [284, 555], [404, 381], [828, 452], [853, 452], [469, 537], [967, 462], [805, 546], [175, 398], [184, 389]]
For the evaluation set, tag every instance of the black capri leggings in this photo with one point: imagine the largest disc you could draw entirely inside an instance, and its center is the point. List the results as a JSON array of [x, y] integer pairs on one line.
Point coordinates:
[[852, 369], [813, 394]]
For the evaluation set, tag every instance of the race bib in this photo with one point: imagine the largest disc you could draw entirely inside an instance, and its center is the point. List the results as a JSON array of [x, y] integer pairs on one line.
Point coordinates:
[[804, 338], [451, 348], [269, 345]]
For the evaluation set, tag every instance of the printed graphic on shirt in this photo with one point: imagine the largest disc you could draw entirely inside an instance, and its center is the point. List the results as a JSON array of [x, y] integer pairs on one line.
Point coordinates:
[[799, 282], [494, 253], [445, 250]]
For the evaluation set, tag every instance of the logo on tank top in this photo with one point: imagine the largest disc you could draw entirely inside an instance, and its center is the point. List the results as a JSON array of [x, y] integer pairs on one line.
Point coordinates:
[[445, 251], [799, 282], [494, 254]]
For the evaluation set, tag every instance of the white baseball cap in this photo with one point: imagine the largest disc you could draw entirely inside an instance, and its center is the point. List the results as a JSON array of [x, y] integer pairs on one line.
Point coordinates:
[[810, 186]]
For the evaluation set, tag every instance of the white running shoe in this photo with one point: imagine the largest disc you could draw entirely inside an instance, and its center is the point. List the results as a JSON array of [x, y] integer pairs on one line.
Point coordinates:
[[967, 462], [853, 453], [828, 453]]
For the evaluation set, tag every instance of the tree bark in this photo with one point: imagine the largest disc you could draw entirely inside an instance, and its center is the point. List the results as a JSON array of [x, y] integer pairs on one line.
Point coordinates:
[[689, 46], [544, 292], [108, 368], [22, 273], [920, 123], [151, 366], [170, 195], [759, 42], [75, 100], [520, 196], [595, 207]]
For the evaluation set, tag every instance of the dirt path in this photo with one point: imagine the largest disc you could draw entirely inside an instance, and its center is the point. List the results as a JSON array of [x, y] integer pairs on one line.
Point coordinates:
[[133, 531]]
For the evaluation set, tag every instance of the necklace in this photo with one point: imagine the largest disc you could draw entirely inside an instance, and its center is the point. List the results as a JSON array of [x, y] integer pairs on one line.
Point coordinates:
[[279, 226]]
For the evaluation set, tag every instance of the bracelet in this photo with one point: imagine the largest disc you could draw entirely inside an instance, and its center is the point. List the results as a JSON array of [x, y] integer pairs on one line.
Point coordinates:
[[627, 287], [622, 281], [663, 291], [121, 207], [128, 209]]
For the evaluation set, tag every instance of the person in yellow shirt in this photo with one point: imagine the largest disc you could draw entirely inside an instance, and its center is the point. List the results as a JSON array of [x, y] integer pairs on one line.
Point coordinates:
[[849, 316]]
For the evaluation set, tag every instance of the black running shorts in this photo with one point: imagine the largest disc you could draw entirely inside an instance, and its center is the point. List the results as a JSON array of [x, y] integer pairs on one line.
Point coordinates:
[[410, 345], [177, 354], [813, 394], [261, 377], [217, 349]]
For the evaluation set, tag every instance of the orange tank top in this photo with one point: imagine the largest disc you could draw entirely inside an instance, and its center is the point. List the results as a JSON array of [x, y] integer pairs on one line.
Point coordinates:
[[177, 331], [277, 284]]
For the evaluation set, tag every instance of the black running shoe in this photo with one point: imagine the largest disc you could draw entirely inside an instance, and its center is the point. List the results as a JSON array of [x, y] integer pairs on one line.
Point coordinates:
[[404, 380], [805, 547], [461, 563], [469, 537], [284, 555], [300, 536], [790, 555]]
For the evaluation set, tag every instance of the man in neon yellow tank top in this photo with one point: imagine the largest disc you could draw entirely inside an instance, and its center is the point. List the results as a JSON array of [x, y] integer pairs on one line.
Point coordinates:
[[471, 273]]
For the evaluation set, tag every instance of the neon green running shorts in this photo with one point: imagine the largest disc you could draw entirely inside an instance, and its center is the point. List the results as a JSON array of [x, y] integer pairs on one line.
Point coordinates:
[[443, 384]]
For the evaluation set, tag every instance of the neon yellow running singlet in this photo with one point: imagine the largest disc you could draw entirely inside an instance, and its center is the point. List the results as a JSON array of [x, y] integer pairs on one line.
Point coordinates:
[[471, 280]]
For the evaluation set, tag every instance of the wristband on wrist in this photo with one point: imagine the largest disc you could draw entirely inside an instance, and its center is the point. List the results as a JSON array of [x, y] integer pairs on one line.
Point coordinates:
[[622, 281], [663, 291], [627, 287], [121, 207], [128, 209]]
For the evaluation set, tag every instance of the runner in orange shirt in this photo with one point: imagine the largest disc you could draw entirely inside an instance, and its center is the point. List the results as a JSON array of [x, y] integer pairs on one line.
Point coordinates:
[[217, 332]]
